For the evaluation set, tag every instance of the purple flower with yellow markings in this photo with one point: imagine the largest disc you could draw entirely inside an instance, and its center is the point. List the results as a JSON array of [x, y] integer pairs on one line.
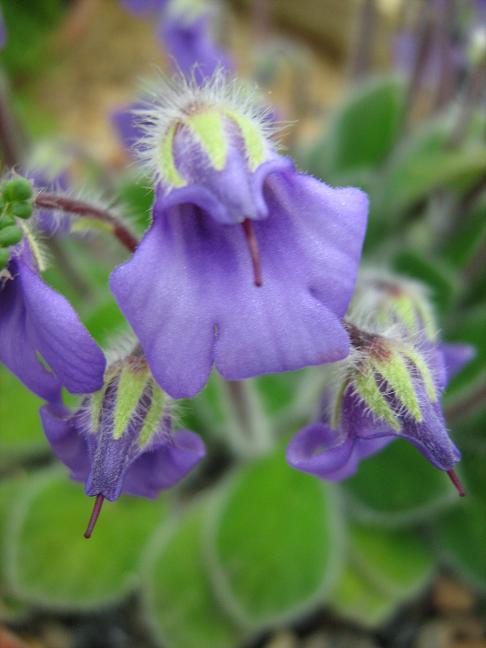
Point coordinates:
[[389, 387], [121, 439], [227, 207], [42, 340]]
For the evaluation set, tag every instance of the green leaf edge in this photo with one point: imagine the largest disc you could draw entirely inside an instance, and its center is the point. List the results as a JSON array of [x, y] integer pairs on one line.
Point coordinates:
[[15, 518], [221, 587]]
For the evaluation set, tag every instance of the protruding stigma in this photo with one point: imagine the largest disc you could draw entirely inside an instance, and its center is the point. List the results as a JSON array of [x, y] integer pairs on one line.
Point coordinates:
[[254, 252], [457, 484], [94, 515]]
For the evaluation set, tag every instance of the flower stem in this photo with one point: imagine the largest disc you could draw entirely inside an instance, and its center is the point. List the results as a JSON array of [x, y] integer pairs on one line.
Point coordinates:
[[46, 200]]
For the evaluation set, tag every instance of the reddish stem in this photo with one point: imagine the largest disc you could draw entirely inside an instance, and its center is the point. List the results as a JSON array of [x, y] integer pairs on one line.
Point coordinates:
[[254, 252], [457, 484], [94, 516], [81, 208]]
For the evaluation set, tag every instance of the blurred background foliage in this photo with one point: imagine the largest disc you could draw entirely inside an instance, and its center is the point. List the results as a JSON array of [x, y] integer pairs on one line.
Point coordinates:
[[248, 551]]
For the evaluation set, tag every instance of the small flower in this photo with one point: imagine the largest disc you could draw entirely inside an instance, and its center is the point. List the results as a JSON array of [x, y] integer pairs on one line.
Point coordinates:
[[121, 438], [228, 206], [383, 299], [42, 340], [186, 32], [389, 388], [126, 122]]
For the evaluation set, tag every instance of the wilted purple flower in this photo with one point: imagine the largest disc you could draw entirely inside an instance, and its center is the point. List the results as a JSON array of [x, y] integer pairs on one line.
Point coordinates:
[[38, 327], [121, 439], [390, 389], [227, 205]]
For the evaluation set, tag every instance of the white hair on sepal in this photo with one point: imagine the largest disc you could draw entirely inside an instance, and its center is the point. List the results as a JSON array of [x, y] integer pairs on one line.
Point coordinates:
[[169, 100], [121, 344]]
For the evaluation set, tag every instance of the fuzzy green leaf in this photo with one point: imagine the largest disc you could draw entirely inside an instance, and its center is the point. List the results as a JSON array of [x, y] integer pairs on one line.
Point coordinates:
[[49, 562], [181, 606], [461, 535], [398, 486], [21, 431], [273, 542], [357, 599], [397, 561]]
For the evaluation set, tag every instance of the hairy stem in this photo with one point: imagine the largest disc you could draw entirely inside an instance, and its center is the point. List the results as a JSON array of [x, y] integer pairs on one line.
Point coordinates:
[[68, 205]]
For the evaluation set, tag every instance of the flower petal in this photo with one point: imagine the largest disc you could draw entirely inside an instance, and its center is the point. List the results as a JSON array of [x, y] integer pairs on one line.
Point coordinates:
[[16, 350], [324, 229], [165, 292], [189, 295], [456, 356], [319, 450], [65, 440], [164, 465], [55, 331], [192, 47]]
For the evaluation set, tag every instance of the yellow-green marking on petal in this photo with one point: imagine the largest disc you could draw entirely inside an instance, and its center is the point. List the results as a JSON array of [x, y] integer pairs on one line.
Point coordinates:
[[253, 139], [130, 389], [396, 373], [153, 416], [365, 386], [209, 128], [425, 373], [168, 168]]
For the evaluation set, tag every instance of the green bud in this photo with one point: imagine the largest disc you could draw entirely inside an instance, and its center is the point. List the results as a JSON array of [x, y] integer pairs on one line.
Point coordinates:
[[10, 235], [18, 189], [4, 257], [22, 210], [6, 221]]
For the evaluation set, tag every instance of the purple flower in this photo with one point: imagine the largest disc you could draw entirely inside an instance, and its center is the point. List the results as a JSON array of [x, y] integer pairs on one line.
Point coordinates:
[[190, 43], [141, 7], [390, 389], [38, 327], [121, 439], [186, 32], [228, 205], [127, 124]]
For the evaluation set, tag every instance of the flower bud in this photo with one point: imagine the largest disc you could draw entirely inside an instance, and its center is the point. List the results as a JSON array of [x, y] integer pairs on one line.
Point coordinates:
[[22, 210], [121, 438], [384, 300], [4, 258], [390, 377], [17, 189], [10, 235]]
